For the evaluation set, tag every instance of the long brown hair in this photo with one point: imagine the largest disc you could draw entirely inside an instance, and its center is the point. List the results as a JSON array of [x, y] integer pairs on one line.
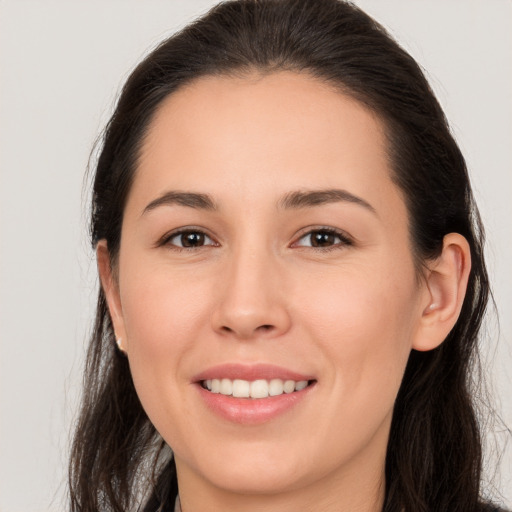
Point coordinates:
[[119, 462]]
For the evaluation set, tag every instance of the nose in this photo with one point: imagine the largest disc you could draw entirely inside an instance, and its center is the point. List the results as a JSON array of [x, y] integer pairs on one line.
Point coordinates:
[[252, 297]]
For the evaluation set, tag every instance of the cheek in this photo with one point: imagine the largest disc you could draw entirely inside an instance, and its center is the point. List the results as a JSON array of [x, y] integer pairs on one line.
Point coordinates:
[[364, 322], [165, 314], [162, 308]]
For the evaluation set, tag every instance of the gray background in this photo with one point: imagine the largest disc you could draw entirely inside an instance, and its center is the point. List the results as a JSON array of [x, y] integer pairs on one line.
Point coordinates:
[[61, 66]]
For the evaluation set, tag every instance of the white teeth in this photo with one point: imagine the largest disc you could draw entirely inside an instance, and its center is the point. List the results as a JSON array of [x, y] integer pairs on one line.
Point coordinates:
[[240, 388], [259, 389], [275, 387], [301, 385], [289, 386], [226, 387], [215, 386]]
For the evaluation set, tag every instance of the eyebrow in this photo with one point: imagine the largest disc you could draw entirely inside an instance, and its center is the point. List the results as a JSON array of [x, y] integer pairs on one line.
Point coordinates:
[[189, 199], [290, 201], [309, 198]]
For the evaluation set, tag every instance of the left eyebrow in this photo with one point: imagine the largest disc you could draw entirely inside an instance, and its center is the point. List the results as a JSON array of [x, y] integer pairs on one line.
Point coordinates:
[[188, 199], [310, 198]]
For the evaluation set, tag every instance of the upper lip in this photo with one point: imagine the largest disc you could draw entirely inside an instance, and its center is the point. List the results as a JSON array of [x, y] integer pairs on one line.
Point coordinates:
[[250, 372]]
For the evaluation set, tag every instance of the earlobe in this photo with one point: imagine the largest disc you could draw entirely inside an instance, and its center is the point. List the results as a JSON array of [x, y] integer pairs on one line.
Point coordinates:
[[446, 284], [111, 290]]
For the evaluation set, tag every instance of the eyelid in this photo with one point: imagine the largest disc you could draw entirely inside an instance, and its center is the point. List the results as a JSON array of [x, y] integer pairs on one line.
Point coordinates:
[[165, 239], [345, 239]]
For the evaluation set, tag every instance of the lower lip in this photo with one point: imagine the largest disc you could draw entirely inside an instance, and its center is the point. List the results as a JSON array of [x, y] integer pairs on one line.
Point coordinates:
[[252, 411]]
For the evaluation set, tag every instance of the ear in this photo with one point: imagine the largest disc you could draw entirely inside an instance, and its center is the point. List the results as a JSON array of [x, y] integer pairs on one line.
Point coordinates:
[[111, 290], [446, 281]]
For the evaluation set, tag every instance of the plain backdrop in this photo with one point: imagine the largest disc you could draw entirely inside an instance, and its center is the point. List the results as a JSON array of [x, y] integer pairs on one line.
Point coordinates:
[[61, 67]]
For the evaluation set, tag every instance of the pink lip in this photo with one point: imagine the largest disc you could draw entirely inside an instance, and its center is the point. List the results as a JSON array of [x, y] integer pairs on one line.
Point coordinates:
[[249, 411], [250, 372]]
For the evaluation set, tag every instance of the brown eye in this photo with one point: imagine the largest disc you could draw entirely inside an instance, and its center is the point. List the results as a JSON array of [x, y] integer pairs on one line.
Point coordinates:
[[323, 238], [189, 240]]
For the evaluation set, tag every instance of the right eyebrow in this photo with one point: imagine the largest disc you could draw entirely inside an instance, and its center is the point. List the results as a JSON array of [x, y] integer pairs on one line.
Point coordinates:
[[190, 199], [310, 198]]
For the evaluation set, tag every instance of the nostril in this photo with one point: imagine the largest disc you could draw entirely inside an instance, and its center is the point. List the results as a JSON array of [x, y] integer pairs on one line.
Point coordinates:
[[266, 327]]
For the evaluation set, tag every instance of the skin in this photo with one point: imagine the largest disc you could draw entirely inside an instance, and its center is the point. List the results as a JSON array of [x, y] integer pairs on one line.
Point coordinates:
[[257, 291]]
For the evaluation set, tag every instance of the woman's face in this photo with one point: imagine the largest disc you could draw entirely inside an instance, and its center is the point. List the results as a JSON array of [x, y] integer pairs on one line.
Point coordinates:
[[264, 248]]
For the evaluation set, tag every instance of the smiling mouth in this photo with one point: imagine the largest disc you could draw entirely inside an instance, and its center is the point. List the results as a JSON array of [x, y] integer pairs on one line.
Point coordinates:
[[255, 389]]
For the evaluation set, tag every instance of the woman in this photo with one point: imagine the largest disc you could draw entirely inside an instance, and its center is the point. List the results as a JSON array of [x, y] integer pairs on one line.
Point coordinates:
[[292, 277]]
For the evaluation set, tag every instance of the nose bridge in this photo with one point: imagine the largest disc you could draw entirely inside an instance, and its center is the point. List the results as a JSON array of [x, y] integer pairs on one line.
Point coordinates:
[[251, 301]]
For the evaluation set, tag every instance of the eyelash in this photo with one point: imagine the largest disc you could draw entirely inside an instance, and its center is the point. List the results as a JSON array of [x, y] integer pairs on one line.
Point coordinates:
[[345, 241], [165, 240]]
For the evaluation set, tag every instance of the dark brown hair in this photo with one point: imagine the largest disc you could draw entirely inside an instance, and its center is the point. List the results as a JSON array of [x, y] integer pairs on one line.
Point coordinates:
[[434, 453]]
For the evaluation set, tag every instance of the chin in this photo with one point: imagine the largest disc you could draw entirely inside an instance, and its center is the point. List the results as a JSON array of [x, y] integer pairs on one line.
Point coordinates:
[[250, 471], [250, 480]]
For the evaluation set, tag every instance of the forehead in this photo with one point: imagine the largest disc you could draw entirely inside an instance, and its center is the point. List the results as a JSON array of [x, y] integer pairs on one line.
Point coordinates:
[[261, 133]]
